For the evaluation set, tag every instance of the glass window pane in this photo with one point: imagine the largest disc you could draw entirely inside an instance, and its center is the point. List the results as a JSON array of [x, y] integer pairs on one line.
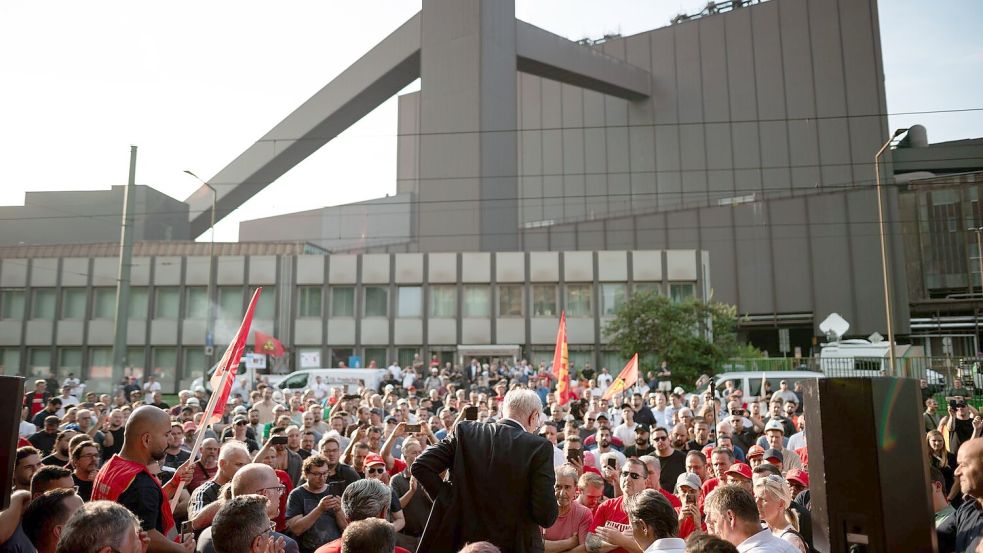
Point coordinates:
[[544, 300], [376, 301], [139, 300], [266, 304], [70, 360], [309, 301], [477, 301], [230, 302], [100, 362], [10, 361], [648, 287], [410, 301], [38, 362], [443, 302], [375, 357], [406, 356], [579, 300], [194, 361], [681, 291], [167, 303], [339, 357], [164, 365], [579, 360], [510, 300], [12, 304], [612, 296], [73, 303], [104, 303], [197, 302], [342, 301], [43, 304], [136, 362]]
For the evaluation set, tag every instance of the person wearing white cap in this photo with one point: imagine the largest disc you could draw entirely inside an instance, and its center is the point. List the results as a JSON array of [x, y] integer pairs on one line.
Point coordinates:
[[775, 436], [689, 490]]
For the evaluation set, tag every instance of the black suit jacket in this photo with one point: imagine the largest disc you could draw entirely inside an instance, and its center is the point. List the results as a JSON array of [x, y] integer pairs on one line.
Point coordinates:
[[500, 488]]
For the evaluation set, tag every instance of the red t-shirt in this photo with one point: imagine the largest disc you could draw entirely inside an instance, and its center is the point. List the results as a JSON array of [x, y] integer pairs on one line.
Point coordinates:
[[335, 547], [281, 519], [577, 521], [37, 404], [611, 513], [709, 485], [673, 500], [398, 466]]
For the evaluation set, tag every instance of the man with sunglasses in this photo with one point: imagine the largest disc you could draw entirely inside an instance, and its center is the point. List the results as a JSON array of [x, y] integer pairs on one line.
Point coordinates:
[[959, 424], [742, 435], [608, 529], [672, 460], [375, 469]]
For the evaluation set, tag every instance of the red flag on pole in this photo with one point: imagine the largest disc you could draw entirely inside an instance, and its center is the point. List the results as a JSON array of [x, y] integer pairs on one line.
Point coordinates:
[[561, 362], [626, 379], [222, 385], [264, 343]]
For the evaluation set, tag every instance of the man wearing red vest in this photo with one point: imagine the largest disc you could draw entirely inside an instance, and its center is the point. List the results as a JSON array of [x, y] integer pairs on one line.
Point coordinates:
[[126, 480]]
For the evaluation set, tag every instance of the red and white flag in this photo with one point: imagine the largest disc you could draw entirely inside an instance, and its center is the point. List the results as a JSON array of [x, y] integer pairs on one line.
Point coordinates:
[[230, 362], [264, 343], [626, 379]]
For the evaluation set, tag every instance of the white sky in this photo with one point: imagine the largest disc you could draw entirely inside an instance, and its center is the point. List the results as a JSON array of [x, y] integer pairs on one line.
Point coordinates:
[[193, 84]]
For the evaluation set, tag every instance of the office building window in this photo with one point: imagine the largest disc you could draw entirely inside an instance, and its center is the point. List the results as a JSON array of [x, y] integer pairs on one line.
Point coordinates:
[[266, 304], [167, 303], [406, 356], [340, 357], [680, 291], [510, 300], [376, 301], [197, 302], [612, 296], [73, 303], [309, 301], [230, 302], [139, 302], [375, 355], [70, 361], [38, 362], [544, 300], [136, 361], [194, 361], [654, 287], [12, 303], [477, 301], [164, 365], [104, 303], [100, 362], [579, 300], [410, 301], [342, 301], [10, 361], [43, 303], [443, 302]]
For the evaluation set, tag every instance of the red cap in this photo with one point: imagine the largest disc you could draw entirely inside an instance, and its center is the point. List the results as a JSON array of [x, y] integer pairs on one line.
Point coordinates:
[[755, 451], [190, 427], [798, 475], [740, 469], [374, 459]]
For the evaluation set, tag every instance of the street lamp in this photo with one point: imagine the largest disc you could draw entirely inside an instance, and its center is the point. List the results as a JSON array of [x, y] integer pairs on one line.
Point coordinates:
[[888, 311], [210, 322]]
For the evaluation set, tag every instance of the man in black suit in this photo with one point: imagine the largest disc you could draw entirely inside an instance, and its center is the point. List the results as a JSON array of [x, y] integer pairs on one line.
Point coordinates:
[[501, 481]]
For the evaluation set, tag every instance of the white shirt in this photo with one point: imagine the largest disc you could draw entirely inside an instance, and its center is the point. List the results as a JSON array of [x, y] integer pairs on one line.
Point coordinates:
[[625, 433], [671, 545], [26, 429], [798, 440], [558, 457], [603, 381], [765, 542], [66, 402], [320, 391], [396, 371]]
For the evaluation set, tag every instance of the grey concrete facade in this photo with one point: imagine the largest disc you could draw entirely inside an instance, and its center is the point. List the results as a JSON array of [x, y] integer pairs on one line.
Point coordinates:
[[56, 313]]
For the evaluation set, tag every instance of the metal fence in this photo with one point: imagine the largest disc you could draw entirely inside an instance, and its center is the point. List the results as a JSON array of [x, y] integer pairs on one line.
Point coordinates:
[[940, 372]]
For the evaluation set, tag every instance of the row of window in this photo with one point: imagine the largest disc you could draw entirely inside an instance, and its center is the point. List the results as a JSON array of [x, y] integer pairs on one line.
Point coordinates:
[[476, 301]]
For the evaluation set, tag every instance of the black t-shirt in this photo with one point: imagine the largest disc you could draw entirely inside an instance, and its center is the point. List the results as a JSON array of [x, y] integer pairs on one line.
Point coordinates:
[[18, 543], [693, 446], [43, 441], [144, 498], [417, 510], [84, 486], [634, 451], [175, 461], [301, 502], [964, 429], [672, 467], [54, 460], [108, 452]]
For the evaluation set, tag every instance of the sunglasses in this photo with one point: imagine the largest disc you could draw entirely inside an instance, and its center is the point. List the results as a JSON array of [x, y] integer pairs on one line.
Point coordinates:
[[661, 438], [632, 475], [737, 412], [378, 470]]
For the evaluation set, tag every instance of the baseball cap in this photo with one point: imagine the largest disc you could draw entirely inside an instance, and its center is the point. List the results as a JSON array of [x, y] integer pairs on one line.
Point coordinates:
[[374, 459], [679, 391], [239, 410], [688, 479], [193, 401], [740, 469], [602, 416], [774, 425], [77, 428], [755, 451], [774, 454], [239, 418], [190, 427], [641, 428], [798, 475]]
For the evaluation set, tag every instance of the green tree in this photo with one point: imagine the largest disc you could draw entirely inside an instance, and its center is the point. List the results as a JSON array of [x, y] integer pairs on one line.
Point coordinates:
[[692, 335]]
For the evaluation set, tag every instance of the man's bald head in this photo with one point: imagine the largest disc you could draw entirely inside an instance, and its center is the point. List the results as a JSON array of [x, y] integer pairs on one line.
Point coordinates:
[[146, 434], [252, 478]]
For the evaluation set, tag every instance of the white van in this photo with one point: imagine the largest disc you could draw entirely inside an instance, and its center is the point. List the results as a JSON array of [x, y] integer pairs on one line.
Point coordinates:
[[350, 379], [749, 382]]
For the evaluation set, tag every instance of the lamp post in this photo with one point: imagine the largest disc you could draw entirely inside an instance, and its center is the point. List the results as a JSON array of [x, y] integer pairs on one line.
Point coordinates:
[[888, 311], [210, 317]]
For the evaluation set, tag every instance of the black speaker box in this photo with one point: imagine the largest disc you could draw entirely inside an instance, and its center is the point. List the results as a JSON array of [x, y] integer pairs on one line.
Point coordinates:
[[11, 399], [868, 468]]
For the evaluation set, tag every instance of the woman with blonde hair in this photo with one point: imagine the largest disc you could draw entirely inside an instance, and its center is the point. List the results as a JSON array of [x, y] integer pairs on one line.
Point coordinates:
[[773, 497], [939, 456]]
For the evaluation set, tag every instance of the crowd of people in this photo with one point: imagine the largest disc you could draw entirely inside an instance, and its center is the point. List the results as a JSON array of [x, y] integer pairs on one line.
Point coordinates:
[[471, 458]]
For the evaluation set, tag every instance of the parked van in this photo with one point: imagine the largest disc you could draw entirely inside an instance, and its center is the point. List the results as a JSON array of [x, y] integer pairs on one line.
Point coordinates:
[[351, 379], [749, 382]]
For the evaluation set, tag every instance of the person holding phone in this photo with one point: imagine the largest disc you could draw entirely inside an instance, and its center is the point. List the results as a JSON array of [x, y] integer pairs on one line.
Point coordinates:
[[314, 515], [500, 481]]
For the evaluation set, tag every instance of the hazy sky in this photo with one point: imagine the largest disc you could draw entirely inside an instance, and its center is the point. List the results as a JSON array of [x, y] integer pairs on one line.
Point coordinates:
[[193, 84]]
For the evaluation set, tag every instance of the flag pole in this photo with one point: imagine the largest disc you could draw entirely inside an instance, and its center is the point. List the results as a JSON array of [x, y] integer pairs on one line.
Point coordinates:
[[205, 423]]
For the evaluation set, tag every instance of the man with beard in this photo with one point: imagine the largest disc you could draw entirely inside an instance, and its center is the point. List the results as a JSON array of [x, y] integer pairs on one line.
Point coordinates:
[[59, 455], [85, 460], [126, 480], [679, 437], [206, 467], [673, 461], [641, 445], [604, 440], [44, 440], [175, 455]]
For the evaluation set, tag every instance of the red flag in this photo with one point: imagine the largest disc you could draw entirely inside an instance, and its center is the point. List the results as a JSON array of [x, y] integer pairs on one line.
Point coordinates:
[[626, 378], [561, 362], [230, 362], [264, 343]]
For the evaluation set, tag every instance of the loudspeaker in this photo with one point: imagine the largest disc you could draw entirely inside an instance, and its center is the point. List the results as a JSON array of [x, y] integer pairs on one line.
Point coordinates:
[[11, 399], [868, 465]]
